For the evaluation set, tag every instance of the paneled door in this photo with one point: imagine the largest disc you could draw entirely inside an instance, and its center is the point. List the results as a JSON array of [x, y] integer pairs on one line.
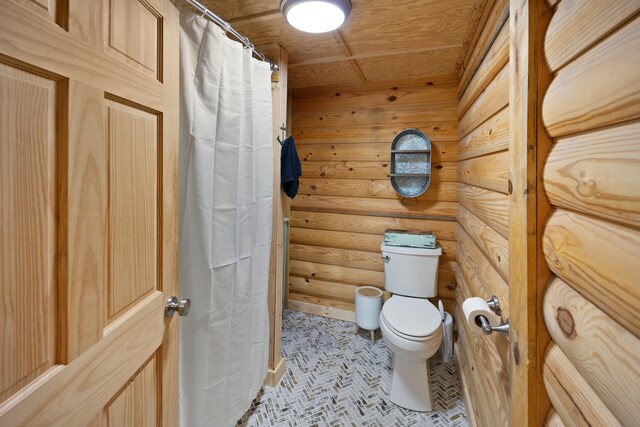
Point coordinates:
[[88, 212]]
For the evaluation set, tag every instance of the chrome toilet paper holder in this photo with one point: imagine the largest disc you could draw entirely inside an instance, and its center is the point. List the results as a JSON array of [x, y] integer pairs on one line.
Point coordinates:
[[483, 322]]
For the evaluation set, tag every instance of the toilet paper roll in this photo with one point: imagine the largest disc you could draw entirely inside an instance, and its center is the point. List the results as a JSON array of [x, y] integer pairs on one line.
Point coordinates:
[[474, 307]]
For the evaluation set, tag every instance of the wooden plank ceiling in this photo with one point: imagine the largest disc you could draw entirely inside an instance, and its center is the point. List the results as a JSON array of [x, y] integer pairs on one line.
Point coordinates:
[[382, 39]]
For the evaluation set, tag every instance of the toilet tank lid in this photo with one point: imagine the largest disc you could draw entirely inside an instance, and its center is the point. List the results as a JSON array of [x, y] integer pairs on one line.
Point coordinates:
[[437, 251]]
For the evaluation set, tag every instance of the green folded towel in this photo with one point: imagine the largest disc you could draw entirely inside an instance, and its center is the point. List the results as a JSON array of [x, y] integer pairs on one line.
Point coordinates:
[[409, 240]]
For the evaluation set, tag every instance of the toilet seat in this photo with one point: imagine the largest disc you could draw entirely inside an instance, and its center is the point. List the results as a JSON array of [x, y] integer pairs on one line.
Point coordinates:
[[413, 319]]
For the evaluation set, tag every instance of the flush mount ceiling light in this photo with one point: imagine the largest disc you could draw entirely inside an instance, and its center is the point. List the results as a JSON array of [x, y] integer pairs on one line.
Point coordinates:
[[315, 16]]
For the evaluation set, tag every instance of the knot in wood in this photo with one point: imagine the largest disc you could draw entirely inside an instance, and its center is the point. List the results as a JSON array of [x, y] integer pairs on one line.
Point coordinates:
[[566, 322]]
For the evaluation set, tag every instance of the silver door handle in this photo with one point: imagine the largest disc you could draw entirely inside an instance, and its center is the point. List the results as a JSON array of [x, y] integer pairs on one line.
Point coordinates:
[[173, 305]]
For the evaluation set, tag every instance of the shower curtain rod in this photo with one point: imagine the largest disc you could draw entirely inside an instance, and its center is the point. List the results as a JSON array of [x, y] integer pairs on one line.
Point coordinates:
[[229, 29]]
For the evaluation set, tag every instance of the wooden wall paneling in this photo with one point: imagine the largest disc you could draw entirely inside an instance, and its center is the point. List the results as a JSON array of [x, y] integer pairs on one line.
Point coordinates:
[[28, 145], [369, 151], [568, 36], [327, 272], [405, 114], [476, 53], [354, 241], [495, 60], [437, 131], [480, 273], [441, 171], [489, 172], [605, 353], [425, 209], [372, 188], [573, 398], [483, 214], [574, 104], [494, 246], [493, 99], [349, 170], [593, 256], [529, 146], [596, 173], [317, 303], [336, 256], [589, 176], [468, 286], [490, 206], [322, 307], [319, 288], [445, 230], [360, 259], [446, 286], [346, 201], [336, 239], [361, 277], [490, 137], [470, 376], [85, 197], [490, 374], [553, 419], [466, 386]]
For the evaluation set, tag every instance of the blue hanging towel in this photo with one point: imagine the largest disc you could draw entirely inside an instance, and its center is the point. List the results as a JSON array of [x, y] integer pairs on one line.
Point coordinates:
[[290, 168]]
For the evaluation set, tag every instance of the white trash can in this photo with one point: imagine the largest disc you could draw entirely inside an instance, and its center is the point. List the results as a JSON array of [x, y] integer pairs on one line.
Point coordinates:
[[368, 307]]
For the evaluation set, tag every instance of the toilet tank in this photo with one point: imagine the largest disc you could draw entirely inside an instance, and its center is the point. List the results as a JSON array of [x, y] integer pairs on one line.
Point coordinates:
[[411, 272]]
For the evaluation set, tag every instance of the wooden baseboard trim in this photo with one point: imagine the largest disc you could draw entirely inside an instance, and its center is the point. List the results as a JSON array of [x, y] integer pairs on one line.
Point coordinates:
[[321, 310], [275, 375], [471, 415]]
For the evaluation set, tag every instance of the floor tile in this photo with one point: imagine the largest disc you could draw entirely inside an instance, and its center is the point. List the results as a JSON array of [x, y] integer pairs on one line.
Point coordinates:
[[337, 378]]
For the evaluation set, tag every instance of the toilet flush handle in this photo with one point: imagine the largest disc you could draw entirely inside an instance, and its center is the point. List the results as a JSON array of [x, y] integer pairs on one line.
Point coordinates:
[[386, 257]]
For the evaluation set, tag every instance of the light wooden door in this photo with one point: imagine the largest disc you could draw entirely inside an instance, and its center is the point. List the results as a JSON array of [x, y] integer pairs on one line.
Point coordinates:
[[88, 212]]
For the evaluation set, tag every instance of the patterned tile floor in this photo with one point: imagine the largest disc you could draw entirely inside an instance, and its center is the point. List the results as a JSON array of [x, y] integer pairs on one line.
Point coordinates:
[[337, 378]]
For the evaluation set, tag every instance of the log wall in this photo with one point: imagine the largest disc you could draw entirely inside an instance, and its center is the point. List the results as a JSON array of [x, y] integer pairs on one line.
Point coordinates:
[[346, 202], [591, 240], [483, 215]]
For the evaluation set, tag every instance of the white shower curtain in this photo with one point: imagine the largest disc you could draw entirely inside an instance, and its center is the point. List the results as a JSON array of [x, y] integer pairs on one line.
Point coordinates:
[[226, 172]]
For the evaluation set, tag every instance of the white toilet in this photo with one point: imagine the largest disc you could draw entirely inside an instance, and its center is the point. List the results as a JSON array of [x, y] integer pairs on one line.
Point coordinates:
[[410, 324]]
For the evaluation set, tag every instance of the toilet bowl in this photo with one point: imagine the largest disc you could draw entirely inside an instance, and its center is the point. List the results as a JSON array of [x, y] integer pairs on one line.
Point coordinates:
[[412, 329]]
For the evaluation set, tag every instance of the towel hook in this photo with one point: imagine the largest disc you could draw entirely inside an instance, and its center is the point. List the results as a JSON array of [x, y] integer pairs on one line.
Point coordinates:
[[283, 128]]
